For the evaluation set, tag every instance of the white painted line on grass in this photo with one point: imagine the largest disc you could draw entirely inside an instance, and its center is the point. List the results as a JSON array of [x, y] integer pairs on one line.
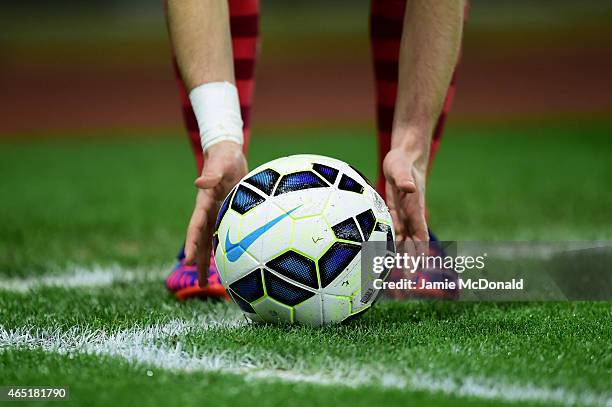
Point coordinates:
[[145, 346], [102, 276], [82, 277]]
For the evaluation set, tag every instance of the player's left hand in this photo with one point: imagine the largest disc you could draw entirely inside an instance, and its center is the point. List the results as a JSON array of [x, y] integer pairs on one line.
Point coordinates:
[[405, 190]]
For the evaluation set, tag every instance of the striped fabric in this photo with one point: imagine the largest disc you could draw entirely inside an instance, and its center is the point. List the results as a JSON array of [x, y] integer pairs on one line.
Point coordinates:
[[386, 23]]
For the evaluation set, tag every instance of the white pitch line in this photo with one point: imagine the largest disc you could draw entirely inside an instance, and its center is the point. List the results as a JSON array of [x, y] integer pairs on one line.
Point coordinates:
[[103, 276], [81, 277], [145, 346]]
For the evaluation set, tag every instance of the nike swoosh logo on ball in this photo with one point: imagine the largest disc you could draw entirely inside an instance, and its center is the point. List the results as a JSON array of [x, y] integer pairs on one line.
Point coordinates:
[[235, 250]]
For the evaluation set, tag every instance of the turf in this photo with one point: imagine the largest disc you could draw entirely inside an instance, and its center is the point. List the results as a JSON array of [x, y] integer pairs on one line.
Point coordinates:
[[123, 201], [128, 200], [136, 387]]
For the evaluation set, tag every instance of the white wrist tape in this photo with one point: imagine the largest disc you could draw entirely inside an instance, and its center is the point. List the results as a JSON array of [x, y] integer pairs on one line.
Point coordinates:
[[217, 110]]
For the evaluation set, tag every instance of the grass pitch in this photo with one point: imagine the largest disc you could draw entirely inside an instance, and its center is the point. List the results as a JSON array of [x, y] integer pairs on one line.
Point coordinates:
[[90, 227]]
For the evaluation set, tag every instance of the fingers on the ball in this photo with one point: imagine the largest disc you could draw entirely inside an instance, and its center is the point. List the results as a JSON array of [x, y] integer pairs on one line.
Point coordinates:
[[205, 248], [203, 262], [191, 245], [408, 247], [194, 235], [398, 225], [400, 233], [420, 239], [421, 235], [421, 247], [200, 256]]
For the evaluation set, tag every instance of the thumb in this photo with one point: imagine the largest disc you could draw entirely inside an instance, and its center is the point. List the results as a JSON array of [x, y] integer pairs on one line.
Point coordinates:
[[401, 178], [211, 175], [405, 184], [208, 180]]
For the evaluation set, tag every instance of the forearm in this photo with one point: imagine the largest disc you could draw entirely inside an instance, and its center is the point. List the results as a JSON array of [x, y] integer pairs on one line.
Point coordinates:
[[428, 54], [200, 33]]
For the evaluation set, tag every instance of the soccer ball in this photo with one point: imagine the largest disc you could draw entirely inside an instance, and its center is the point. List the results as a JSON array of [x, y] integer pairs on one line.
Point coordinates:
[[288, 237]]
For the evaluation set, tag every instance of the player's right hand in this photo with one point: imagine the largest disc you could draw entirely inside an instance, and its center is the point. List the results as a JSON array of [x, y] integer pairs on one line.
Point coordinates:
[[224, 166]]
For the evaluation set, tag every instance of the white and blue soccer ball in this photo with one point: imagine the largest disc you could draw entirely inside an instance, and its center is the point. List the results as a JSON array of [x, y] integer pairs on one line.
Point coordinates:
[[288, 240]]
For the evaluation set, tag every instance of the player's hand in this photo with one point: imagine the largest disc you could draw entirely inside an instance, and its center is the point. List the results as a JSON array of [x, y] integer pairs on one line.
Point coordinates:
[[224, 166], [405, 190]]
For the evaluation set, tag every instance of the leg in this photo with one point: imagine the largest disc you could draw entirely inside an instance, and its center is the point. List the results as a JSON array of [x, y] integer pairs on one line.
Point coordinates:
[[244, 25], [386, 23]]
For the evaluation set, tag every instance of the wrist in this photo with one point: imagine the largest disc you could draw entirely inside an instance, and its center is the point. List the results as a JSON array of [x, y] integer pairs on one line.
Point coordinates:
[[217, 109], [226, 148], [413, 143]]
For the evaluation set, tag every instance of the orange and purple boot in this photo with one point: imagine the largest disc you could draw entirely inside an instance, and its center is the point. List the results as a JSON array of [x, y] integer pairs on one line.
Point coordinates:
[[183, 281]]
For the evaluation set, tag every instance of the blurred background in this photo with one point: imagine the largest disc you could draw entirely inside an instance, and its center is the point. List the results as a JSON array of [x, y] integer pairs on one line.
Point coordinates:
[[97, 169], [72, 65]]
